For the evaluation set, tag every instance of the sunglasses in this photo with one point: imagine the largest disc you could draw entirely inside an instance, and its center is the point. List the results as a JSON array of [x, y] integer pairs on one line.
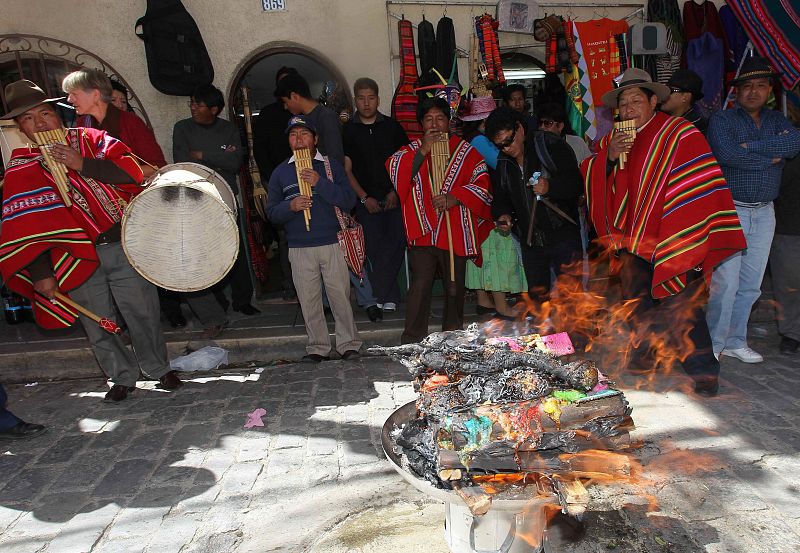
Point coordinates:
[[675, 89], [508, 141], [546, 122]]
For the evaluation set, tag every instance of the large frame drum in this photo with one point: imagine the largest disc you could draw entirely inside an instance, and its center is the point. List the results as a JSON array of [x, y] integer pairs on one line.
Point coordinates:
[[180, 232]]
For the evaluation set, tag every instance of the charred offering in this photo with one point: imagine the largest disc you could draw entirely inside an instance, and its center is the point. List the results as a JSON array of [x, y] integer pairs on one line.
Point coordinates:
[[491, 407]]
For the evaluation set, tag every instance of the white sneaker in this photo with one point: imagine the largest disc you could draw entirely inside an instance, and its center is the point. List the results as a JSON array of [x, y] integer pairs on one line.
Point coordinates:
[[745, 355], [390, 306]]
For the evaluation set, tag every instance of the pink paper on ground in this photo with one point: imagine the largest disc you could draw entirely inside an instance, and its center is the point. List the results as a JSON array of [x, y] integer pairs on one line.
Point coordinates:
[[254, 418], [559, 344]]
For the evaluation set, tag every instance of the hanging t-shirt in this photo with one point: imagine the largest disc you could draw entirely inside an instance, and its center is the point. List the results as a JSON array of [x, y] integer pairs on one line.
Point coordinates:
[[599, 47]]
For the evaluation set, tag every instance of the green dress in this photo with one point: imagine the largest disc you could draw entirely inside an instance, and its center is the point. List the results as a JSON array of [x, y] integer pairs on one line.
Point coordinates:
[[502, 266]]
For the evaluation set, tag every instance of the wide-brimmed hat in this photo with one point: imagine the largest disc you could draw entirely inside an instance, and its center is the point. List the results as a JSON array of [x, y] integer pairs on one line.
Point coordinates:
[[300, 121], [24, 95], [635, 78], [754, 67], [479, 108], [687, 81]]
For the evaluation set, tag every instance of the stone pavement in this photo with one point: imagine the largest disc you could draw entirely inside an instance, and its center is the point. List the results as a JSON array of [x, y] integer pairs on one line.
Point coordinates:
[[177, 472]]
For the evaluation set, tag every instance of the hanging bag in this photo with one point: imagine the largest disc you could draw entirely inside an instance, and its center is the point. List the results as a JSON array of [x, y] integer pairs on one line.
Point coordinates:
[[351, 235], [177, 59]]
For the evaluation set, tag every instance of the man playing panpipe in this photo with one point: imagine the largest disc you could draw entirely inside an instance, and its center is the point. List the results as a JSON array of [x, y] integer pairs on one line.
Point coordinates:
[[465, 193], [47, 247], [315, 253], [667, 218]]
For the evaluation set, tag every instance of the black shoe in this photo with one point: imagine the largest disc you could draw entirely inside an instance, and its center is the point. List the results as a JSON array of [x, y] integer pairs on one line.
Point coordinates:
[[374, 313], [247, 309], [788, 345], [481, 310], [176, 320], [289, 295], [708, 387], [22, 431], [350, 354], [170, 381], [118, 392], [314, 358]]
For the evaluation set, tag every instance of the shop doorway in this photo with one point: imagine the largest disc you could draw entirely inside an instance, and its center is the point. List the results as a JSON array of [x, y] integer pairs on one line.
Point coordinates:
[[257, 73]]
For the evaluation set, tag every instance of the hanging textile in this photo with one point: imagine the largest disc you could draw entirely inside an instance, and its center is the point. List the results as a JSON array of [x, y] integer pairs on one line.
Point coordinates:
[[668, 13], [446, 49], [489, 45], [595, 36], [426, 43], [774, 28], [701, 18], [580, 105], [736, 37], [706, 57], [405, 100]]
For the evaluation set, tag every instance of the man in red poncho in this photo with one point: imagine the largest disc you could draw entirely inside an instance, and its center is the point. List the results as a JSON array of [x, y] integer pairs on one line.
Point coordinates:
[[47, 246], [465, 194], [668, 218]]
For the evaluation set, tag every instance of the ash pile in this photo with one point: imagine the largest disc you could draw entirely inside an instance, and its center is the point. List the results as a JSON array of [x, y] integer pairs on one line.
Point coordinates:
[[511, 418]]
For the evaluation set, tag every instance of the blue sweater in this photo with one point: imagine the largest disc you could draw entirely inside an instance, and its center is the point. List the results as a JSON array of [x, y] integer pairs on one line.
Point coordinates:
[[750, 172], [324, 224]]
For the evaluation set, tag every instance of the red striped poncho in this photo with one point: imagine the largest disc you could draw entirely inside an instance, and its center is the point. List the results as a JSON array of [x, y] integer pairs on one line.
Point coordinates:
[[35, 219], [670, 205], [466, 178]]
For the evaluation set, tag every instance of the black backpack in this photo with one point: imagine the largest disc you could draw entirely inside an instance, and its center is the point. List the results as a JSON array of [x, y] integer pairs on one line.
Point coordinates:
[[177, 59]]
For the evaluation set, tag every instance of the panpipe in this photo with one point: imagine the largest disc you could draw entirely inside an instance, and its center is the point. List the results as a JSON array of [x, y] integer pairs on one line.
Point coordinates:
[[440, 159], [45, 140], [302, 160], [629, 128]]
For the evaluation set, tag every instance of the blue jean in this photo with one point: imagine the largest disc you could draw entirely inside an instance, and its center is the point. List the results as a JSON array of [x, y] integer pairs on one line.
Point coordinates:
[[7, 418], [364, 296], [736, 283]]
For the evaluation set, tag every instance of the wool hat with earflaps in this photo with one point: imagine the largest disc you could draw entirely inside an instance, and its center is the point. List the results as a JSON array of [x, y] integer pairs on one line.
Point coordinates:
[[23, 95], [634, 78]]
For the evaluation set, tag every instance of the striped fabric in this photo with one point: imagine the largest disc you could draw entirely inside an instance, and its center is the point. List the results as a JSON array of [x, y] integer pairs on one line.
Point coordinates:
[[405, 100], [588, 123], [774, 28], [466, 178], [670, 205], [35, 219]]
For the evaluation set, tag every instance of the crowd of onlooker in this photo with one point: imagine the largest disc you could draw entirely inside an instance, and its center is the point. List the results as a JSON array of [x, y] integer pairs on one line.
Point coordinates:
[[500, 200]]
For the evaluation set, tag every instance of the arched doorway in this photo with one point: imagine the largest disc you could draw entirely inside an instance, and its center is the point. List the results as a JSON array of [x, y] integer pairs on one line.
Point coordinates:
[[257, 73]]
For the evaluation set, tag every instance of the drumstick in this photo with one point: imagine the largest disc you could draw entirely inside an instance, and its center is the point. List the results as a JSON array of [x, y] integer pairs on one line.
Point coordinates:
[[105, 323]]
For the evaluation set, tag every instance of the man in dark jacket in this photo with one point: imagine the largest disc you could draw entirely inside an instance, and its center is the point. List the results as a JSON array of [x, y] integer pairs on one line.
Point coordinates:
[[686, 88], [314, 250], [369, 139], [539, 197]]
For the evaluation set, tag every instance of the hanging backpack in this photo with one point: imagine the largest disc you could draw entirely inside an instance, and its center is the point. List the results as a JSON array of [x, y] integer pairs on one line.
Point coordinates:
[[177, 59]]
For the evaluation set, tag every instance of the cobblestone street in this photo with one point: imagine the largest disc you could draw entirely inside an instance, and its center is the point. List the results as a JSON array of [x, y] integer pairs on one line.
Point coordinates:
[[177, 472]]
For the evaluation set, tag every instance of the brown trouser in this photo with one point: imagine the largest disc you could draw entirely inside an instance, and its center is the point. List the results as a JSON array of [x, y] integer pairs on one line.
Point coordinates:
[[424, 261]]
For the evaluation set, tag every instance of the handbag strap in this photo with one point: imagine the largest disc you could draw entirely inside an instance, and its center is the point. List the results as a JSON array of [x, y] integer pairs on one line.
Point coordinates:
[[343, 219]]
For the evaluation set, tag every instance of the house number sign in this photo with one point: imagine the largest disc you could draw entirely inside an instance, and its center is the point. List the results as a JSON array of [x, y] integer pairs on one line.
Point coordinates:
[[273, 5]]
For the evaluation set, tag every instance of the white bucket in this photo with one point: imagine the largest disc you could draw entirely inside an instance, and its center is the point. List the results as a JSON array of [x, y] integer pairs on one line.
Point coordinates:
[[498, 531]]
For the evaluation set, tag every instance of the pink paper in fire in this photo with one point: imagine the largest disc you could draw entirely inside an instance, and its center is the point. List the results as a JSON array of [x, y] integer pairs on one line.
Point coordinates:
[[559, 344], [254, 418]]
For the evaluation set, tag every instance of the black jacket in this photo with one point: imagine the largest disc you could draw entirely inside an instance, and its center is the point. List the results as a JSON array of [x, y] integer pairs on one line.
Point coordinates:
[[693, 117], [512, 196], [368, 147]]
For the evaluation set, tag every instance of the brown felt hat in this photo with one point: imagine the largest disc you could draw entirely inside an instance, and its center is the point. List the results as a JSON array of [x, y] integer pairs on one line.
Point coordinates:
[[23, 95], [635, 78], [754, 67]]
